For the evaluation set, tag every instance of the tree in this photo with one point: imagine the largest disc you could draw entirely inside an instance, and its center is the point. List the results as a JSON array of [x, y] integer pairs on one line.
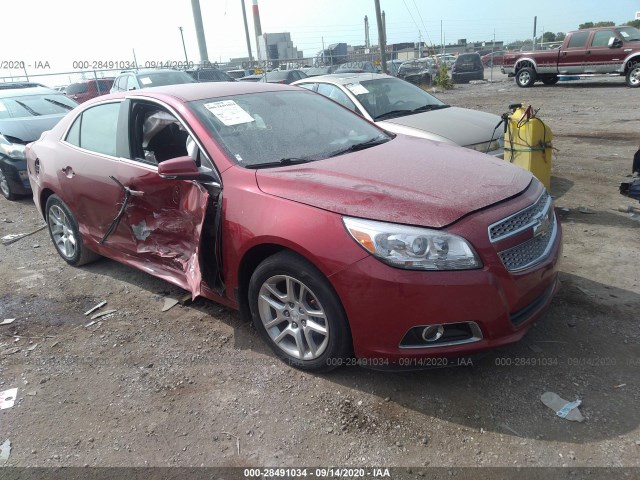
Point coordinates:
[[549, 37], [632, 23], [560, 36], [597, 24]]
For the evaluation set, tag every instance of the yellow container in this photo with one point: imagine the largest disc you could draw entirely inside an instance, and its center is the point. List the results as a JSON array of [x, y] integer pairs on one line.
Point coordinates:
[[528, 144]]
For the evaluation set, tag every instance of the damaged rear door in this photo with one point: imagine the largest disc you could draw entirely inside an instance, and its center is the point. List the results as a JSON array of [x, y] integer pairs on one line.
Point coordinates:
[[159, 225]]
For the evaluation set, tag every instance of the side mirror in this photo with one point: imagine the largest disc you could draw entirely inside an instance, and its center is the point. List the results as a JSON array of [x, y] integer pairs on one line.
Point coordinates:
[[184, 168], [615, 42]]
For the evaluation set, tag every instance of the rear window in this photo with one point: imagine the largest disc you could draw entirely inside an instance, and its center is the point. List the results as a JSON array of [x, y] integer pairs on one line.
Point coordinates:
[[76, 88], [157, 79], [27, 106], [469, 60]]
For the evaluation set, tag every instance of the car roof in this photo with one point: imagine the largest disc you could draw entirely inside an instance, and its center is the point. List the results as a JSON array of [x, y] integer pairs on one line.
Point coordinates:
[[344, 78], [92, 80], [147, 71], [21, 92], [188, 92]]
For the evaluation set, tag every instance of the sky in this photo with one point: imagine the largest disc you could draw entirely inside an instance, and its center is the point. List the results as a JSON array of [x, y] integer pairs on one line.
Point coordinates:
[[50, 35]]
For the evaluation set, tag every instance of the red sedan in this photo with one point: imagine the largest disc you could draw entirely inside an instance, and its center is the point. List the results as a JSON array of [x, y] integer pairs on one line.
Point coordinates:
[[339, 240]]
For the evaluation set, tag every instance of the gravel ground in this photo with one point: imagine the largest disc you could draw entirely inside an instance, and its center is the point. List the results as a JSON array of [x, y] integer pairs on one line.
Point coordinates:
[[195, 386]]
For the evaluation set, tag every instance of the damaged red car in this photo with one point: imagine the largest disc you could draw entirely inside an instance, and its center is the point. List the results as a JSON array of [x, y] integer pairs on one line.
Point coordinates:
[[343, 243]]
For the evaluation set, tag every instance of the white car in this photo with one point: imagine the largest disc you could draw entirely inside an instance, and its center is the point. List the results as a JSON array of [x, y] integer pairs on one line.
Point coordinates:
[[400, 107]]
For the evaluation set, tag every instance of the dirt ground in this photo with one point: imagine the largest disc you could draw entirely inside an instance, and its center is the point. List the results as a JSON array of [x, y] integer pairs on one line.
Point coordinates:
[[195, 386]]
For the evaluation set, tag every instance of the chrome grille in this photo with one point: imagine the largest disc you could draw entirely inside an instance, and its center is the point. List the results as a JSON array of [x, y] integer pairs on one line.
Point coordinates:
[[532, 251], [519, 221]]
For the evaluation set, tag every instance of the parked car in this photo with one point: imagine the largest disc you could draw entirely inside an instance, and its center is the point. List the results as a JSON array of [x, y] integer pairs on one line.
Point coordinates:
[[87, 89], [210, 75], [392, 67], [493, 58], [283, 76], [239, 73], [445, 58], [467, 67], [400, 107], [153, 77], [336, 238], [419, 71], [25, 112], [14, 85], [251, 78], [357, 67], [606, 50], [315, 71]]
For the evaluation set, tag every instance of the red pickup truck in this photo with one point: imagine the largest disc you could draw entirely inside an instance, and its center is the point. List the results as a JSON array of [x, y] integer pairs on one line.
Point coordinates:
[[607, 50]]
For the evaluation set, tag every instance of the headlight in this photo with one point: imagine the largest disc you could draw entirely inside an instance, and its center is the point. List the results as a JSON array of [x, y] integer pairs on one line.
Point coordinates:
[[12, 150], [488, 146], [412, 248]]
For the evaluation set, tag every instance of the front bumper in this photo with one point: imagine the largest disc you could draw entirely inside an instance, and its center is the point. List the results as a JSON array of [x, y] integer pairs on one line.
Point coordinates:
[[15, 172], [384, 304]]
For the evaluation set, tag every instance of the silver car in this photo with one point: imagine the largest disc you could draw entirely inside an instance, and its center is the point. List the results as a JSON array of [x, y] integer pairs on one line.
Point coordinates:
[[400, 107]]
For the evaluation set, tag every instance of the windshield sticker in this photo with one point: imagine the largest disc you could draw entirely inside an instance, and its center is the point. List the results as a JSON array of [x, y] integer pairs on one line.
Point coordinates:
[[357, 89], [229, 112], [2, 107], [145, 81]]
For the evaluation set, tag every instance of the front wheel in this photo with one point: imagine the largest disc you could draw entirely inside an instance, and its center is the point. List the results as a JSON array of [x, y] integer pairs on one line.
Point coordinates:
[[298, 313], [65, 235], [5, 186], [633, 76], [526, 77]]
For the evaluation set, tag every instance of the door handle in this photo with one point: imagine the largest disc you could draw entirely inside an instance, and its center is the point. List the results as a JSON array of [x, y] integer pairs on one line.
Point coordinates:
[[588, 52]]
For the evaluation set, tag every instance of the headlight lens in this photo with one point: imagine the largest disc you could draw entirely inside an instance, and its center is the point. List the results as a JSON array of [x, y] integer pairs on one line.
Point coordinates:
[[12, 150], [485, 147], [412, 248]]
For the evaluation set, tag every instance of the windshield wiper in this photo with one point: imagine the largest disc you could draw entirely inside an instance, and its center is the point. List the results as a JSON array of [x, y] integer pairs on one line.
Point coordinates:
[[391, 114], [361, 146], [427, 108], [280, 163], [28, 108], [60, 104]]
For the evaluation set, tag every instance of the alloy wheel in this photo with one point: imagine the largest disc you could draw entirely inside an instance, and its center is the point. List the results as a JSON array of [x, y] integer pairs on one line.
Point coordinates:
[[62, 232], [4, 185]]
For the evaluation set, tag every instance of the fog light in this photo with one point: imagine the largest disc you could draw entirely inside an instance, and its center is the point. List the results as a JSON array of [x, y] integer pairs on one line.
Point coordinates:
[[432, 333]]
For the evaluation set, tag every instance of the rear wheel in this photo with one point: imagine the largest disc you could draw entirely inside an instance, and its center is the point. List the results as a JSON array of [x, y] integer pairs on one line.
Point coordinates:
[[298, 313], [65, 235], [550, 79], [633, 76], [526, 77]]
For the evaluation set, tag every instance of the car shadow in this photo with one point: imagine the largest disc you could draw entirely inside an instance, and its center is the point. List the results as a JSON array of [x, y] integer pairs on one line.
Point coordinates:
[[579, 349], [560, 186], [588, 216]]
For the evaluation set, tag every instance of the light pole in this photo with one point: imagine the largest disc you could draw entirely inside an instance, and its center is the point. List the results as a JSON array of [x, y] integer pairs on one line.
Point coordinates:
[[183, 45]]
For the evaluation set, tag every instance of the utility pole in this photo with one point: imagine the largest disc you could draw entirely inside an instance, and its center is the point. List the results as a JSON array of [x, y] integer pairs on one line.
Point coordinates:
[[183, 46], [135, 60], [258, 31], [367, 42], [197, 19], [535, 22], [381, 38], [441, 37], [323, 52], [246, 32]]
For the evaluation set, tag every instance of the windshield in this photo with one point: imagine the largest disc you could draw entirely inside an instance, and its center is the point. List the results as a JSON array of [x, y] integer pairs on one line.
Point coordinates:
[[35, 105], [158, 79], [267, 127], [630, 34], [380, 97]]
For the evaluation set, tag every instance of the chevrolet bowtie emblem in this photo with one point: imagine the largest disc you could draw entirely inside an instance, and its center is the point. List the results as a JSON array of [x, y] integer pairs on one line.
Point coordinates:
[[542, 226]]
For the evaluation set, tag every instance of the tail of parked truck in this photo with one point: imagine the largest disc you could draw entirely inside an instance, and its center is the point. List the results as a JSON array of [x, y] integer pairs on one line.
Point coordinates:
[[588, 52]]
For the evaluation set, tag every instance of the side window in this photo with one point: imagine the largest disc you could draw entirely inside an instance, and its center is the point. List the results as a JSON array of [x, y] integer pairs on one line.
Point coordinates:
[[98, 128], [601, 38], [578, 40], [309, 86], [334, 93], [131, 83], [73, 136], [157, 135]]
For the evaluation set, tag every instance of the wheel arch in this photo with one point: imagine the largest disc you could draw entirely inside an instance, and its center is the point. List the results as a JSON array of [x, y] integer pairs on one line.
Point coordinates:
[[44, 196], [631, 60], [525, 62]]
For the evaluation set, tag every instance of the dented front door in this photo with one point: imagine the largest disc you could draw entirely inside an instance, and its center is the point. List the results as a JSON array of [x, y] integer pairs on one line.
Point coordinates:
[[160, 228]]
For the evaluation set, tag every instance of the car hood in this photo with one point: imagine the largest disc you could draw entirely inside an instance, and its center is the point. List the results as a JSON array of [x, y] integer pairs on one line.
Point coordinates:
[[461, 126], [28, 129], [406, 180]]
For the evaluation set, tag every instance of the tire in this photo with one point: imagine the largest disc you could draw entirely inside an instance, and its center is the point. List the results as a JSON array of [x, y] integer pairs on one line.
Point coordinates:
[[5, 187], [526, 77], [64, 233], [550, 80], [633, 76], [298, 313]]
